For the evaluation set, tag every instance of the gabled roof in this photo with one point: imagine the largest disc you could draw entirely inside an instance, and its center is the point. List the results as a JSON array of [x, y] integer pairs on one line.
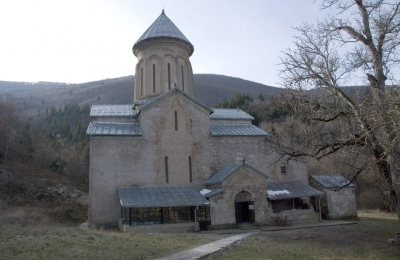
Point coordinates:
[[278, 190], [160, 196], [236, 130], [332, 181], [113, 128], [230, 114], [112, 111], [220, 176], [163, 27], [168, 93]]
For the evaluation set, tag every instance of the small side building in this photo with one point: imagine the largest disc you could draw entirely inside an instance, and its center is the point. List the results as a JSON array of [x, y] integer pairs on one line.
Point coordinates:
[[339, 200]]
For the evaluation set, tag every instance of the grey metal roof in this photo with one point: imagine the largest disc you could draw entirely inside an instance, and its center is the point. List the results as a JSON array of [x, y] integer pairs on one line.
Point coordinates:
[[170, 91], [112, 111], [160, 196], [236, 129], [332, 180], [227, 171], [113, 128], [278, 190], [230, 114], [163, 27]]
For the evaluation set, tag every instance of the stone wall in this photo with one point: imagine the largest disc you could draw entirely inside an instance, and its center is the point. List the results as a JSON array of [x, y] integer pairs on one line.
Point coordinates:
[[222, 206], [160, 53], [176, 127], [294, 216], [337, 203], [165, 228], [341, 203]]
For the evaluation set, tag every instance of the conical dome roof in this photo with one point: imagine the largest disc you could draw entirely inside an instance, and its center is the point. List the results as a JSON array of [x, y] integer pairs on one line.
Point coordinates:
[[162, 27]]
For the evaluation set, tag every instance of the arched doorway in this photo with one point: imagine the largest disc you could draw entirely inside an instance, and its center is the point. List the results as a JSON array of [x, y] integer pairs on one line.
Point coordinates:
[[244, 207]]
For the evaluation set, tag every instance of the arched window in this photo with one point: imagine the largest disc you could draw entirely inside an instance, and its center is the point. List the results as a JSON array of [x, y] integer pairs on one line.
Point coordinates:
[[169, 76], [141, 81], [183, 82], [176, 121], [190, 169], [166, 169], [154, 77]]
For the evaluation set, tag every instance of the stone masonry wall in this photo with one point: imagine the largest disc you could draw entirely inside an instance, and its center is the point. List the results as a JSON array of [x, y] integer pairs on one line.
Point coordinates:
[[341, 203], [160, 53], [128, 161], [223, 205]]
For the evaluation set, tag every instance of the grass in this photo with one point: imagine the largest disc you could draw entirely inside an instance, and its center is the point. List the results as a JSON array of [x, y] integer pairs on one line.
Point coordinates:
[[63, 242], [368, 239]]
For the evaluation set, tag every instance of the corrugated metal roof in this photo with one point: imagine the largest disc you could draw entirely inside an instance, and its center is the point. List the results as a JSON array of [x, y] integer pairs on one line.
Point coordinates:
[[112, 111], [163, 27], [278, 190], [170, 91], [113, 128], [230, 114], [160, 196], [332, 180], [228, 170], [236, 129]]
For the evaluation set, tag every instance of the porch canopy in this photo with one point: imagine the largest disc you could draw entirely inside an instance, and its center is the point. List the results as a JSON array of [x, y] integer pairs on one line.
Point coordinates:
[[160, 196], [280, 190]]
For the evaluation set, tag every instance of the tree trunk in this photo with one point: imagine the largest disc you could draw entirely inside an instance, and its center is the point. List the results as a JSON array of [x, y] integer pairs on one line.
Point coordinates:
[[395, 191]]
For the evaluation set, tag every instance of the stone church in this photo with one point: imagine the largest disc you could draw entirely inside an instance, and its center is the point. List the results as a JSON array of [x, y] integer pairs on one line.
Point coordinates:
[[170, 162]]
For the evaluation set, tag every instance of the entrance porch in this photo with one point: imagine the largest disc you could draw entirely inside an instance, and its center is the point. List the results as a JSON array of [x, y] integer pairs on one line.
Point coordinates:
[[163, 208]]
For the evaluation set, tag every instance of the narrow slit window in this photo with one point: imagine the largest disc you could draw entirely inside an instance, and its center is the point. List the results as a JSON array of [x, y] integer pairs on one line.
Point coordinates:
[[166, 169], [283, 169], [183, 82], [141, 81], [154, 77], [169, 76], [190, 169], [176, 120]]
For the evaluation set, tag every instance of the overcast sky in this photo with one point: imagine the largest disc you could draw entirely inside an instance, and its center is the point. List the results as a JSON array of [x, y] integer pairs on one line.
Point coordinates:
[[80, 41]]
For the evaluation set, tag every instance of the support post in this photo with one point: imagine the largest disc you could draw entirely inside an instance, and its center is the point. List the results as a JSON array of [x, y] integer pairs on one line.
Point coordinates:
[[195, 218], [130, 217], [319, 209]]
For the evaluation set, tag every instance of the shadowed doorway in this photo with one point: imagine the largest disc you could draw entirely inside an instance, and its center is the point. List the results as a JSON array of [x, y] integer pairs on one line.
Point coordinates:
[[244, 207]]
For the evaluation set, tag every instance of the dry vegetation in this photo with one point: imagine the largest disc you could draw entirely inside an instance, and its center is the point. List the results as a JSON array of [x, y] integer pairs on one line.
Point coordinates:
[[368, 239], [63, 242]]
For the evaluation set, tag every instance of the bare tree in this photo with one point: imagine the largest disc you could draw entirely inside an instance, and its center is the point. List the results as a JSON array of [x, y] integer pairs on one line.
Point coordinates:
[[356, 46]]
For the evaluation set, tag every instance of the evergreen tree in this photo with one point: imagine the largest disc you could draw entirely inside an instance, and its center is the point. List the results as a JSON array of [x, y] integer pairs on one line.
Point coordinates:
[[242, 101]]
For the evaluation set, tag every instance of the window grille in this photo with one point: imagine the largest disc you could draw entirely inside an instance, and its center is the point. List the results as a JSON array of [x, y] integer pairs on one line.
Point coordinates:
[[283, 169], [163, 215]]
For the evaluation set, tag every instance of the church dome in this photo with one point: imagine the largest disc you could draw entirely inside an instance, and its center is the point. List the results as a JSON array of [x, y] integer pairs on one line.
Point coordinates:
[[162, 54], [162, 27]]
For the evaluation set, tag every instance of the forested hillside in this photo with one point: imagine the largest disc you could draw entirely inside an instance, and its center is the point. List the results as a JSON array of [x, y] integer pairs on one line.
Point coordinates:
[[36, 97], [44, 150]]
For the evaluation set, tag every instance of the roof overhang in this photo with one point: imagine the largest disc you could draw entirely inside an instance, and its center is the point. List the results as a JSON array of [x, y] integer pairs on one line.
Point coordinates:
[[160, 196], [208, 193], [279, 190]]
